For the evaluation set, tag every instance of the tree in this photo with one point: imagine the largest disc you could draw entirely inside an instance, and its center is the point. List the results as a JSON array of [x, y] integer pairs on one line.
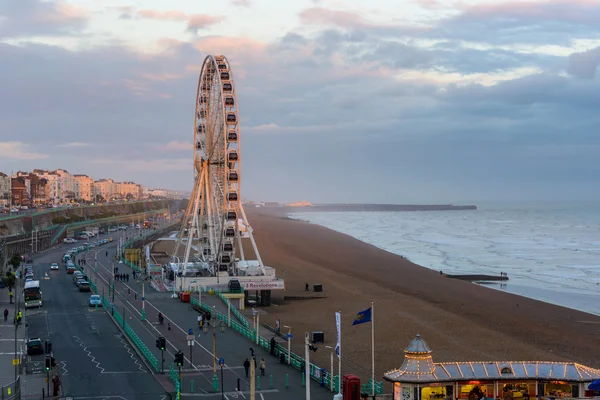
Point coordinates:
[[15, 261], [9, 282], [100, 199]]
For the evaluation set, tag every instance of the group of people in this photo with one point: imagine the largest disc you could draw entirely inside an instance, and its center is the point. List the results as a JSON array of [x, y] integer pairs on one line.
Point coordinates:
[[122, 277], [263, 364]]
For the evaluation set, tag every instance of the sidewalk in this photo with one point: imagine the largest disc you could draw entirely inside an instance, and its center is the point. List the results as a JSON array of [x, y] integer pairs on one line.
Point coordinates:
[[198, 369]]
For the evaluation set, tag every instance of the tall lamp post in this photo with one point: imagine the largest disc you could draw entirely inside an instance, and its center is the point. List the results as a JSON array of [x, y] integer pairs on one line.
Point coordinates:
[[289, 340], [331, 374], [205, 329]]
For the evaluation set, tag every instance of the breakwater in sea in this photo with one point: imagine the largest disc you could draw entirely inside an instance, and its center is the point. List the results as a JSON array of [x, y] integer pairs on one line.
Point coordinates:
[[378, 207]]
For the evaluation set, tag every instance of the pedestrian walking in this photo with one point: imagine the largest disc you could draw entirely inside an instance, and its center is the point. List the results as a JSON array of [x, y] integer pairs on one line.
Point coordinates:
[[55, 385], [5, 314], [127, 277], [273, 344], [263, 365], [247, 367], [306, 287], [168, 326]]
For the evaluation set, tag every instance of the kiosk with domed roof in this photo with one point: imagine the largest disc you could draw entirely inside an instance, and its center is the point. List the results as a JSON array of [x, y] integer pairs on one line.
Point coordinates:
[[420, 378]]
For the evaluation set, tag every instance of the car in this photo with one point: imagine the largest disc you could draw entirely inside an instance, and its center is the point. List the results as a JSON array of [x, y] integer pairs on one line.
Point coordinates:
[[53, 266], [69, 240], [35, 346], [95, 300], [84, 286]]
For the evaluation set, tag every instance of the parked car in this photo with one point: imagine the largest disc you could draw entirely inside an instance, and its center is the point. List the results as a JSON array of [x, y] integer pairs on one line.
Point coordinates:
[[69, 240], [84, 286]]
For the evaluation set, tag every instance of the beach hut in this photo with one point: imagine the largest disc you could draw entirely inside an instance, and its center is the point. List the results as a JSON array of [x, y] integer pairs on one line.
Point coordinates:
[[420, 378]]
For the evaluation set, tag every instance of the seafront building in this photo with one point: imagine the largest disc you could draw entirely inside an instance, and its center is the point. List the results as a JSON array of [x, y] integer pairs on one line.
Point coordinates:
[[58, 187], [420, 378]]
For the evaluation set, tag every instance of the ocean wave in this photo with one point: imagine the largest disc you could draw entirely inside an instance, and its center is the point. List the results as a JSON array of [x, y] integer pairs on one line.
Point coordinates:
[[549, 251]]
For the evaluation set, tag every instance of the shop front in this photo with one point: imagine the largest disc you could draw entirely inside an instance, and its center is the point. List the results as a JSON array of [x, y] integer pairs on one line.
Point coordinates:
[[419, 378]]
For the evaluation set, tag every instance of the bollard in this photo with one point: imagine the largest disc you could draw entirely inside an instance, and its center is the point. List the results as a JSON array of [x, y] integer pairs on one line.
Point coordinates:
[[287, 381], [128, 291], [258, 382], [270, 381], [192, 386], [239, 388], [215, 383], [135, 295], [303, 379]]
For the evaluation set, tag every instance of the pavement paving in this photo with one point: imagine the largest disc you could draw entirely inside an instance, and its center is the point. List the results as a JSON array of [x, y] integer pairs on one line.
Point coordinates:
[[198, 370], [93, 356]]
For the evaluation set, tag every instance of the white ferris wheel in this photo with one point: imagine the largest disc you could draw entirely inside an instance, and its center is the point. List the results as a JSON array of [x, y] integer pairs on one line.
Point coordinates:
[[215, 223]]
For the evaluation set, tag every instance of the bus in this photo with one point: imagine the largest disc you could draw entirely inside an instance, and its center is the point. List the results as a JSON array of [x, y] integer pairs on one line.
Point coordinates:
[[32, 294]]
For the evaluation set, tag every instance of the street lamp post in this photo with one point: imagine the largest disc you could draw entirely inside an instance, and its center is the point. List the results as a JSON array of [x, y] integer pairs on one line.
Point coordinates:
[[331, 374], [289, 340], [205, 329], [307, 364]]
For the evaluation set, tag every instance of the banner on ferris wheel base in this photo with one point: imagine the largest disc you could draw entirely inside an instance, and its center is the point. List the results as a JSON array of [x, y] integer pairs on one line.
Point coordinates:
[[243, 229], [263, 285]]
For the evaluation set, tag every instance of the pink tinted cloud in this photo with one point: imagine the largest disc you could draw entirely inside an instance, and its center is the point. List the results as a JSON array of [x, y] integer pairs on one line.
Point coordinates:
[[171, 15], [175, 145], [194, 21], [62, 13], [351, 20], [576, 11]]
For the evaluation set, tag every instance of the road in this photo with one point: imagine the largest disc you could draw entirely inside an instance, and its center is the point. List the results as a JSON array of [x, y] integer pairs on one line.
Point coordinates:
[[199, 364], [94, 358]]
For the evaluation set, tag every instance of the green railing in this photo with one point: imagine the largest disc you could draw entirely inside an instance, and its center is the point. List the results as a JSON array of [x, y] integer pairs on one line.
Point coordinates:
[[58, 234], [368, 387], [235, 311], [151, 358], [295, 360]]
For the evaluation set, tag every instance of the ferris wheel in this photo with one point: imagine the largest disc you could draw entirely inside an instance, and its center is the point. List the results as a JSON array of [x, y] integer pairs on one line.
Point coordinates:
[[214, 216]]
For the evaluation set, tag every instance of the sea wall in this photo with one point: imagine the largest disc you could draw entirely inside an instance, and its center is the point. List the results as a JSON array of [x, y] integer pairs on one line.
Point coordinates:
[[47, 218]]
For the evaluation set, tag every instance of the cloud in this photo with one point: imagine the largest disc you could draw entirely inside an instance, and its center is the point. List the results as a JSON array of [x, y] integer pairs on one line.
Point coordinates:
[[175, 145], [584, 64], [74, 144], [194, 21], [19, 151], [241, 3], [26, 18]]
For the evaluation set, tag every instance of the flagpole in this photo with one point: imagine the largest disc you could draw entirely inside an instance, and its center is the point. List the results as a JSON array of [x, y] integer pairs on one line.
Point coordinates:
[[373, 349], [340, 358]]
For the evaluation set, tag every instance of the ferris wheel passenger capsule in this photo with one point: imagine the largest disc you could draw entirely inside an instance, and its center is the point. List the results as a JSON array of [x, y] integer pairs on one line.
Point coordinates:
[[232, 136], [229, 232], [231, 118], [222, 66], [228, 246], [231, 216], [229, 102], [224, 76], [227, 87], [232, 196], [232, 156], [233, 176], [201, 128]]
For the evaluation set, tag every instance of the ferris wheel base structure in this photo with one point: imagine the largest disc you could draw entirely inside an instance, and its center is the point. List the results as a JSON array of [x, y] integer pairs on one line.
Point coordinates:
[[209, 249]]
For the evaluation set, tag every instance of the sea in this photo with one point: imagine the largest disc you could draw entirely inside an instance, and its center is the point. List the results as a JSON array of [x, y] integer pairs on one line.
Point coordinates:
[[550, 251]]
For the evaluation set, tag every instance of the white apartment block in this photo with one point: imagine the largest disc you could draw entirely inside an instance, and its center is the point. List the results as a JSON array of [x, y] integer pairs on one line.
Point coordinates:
[[128, 190], [106, 188], [70, 187], [86, 187], [5, 190], [54, 193]]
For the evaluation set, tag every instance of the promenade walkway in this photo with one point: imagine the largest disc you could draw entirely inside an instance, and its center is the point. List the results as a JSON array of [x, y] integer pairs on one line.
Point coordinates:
[[198, 377]]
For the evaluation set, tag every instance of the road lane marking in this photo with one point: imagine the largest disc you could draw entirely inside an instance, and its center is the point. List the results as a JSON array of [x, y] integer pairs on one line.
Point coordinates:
[[89, 353], [131, 353]]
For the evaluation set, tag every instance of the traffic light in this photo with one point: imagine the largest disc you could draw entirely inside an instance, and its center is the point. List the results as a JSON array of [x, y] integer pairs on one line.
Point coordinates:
[[161, 343], [48, 363], [179, 358]]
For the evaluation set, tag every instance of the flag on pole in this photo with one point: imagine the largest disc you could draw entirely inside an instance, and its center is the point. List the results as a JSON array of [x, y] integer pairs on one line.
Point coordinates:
[[338, 325], [363, 317]]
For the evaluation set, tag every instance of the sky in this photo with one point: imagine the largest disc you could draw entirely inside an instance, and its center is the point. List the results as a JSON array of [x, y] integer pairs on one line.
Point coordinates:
[[388, 101]]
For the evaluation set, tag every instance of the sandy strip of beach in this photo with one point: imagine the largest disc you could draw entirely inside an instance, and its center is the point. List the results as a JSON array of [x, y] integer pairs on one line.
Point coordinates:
[[461, 321]]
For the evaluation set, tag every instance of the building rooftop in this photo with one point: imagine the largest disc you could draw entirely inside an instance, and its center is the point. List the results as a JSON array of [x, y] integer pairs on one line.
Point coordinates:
[[418, 367]]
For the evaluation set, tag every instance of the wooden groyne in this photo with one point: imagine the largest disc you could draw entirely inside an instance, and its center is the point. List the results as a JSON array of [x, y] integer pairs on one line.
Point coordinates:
[[479, 278]]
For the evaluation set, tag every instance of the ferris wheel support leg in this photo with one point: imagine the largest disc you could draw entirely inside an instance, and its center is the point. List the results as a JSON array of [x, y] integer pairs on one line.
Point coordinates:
[[184, 221], [211, 231], [260, 263], [188, 245], [240, 246]]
